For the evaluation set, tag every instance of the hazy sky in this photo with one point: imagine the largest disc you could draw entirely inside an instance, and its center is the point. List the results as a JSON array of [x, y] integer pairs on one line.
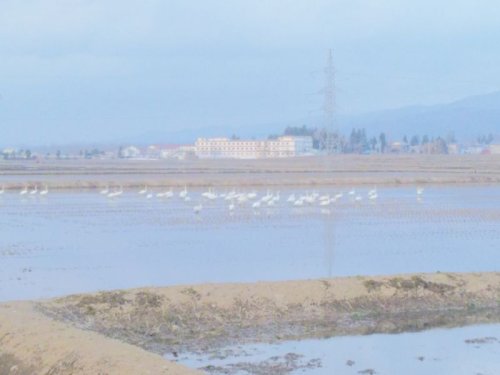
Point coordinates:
[[92, 70]]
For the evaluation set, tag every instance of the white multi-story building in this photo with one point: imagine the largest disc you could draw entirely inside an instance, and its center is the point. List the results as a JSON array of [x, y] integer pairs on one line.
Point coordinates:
[[130, 152], [281, 147], [494, 149]]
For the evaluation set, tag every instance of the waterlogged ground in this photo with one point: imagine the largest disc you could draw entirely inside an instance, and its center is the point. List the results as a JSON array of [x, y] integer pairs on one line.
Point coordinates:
[[470, 350], [68, 242]]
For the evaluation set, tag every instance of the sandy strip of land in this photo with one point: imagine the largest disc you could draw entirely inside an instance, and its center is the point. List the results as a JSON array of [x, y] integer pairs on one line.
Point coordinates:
[[117, 332], [336, 170], [31, 343], [193, 318]]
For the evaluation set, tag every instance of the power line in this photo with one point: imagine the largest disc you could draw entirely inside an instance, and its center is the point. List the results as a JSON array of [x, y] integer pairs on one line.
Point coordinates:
[[332, 145], [329, 90]]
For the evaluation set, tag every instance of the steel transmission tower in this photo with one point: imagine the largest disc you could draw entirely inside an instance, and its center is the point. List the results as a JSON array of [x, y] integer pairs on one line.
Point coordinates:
[[332, 139], [332, 146]]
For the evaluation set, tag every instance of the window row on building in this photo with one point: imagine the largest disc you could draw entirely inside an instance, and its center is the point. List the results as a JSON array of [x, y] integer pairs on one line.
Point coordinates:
[[281, 147]]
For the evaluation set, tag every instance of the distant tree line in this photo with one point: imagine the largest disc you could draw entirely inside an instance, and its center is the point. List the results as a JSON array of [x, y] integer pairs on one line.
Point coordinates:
[[359, 142], [89, 154], [485, 139], [21, 154]]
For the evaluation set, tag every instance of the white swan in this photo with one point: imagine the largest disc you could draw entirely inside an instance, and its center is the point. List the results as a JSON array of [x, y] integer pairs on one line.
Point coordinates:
[[267, 197], [309, 198], [242, 198], [45, 191], [183, 194], [252, 195], [119, 192], [324, 202], [276, 198], [116, 193], [228, 196], [210, 194], [197, 209], [299, 202], [325, 197]]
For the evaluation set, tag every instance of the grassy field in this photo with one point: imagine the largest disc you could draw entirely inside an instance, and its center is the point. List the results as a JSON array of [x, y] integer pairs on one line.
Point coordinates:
[[333, 170]]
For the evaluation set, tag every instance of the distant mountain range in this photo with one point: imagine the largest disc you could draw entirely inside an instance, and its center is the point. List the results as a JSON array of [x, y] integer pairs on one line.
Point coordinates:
[[466, 118], [189, 135]]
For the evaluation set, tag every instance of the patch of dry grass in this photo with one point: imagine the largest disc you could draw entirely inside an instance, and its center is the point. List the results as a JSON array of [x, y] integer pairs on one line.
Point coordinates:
[[332, 170], [176, 319]]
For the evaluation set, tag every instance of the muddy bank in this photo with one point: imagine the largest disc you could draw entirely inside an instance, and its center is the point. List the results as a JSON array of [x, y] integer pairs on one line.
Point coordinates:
[[198, 318], [31, 343], [93, 333], [337, 170]]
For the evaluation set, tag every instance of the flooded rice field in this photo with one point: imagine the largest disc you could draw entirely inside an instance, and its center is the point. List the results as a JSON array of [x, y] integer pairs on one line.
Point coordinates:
[[78, 241], [470, 350]]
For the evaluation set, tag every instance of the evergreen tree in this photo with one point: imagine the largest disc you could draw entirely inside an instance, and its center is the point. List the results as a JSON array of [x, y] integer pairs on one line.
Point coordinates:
[[383, 142], [415, 141]]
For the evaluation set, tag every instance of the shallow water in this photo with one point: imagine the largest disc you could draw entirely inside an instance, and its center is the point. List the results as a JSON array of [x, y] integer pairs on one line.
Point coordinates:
[[70, 242], [470, 350]]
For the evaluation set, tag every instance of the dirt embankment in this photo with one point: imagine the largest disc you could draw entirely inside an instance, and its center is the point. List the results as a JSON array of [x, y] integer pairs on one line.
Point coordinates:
[[199, 317], [31, 344], [336, 170], [118, 332]]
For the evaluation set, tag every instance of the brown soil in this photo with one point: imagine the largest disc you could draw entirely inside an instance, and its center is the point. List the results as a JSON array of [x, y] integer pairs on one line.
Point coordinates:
[[31, 343], [93, 333], [334, 170]]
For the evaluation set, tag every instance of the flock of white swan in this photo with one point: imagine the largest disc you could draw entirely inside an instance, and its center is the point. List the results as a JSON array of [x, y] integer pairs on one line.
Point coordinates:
[[26, 190], [233, 197], [253, 199]]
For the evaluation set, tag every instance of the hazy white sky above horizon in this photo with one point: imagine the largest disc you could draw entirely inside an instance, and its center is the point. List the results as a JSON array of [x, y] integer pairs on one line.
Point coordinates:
[[96, 70]]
